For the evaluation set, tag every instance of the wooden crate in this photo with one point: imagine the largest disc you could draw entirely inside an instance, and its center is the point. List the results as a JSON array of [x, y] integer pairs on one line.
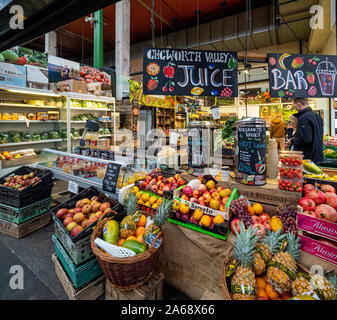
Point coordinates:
[[150, 290], [91, 291], [21, 230]]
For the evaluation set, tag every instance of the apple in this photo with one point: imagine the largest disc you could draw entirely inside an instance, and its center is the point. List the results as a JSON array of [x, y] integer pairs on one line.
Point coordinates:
[[185, 197], [84, 223], [219, 189], [94, 198], [264, 217], [207, 197], [148, 187], [61, 213], [69, 215], [160, 178], [92, 220], [95, 206], [256, 219], [177, 176], [71, 225], [160, 192], [106, 211], [196, 194], [170, 179], [154, 188], [67, 220], [104, 206], [202, 203], [85, 201], [98, 214], [79, 204], [184, 217], [195, 200], [76, 230], [216, 195], [86, 208], [224, 200], [77, 210], [266, 224], [153, 181], [143, 185], [235, 225], [79, 217], [166, 188]]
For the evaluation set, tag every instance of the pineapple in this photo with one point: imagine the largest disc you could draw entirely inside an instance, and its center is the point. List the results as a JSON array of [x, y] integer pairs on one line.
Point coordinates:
[[158, 221], [128, 224], [312, 284], [243, 282], [265, 250], [282, 268]]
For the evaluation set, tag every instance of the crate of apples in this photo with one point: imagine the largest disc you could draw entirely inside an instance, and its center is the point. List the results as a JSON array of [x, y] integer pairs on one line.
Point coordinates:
[[21, 182], [83, 214], [159, 182]]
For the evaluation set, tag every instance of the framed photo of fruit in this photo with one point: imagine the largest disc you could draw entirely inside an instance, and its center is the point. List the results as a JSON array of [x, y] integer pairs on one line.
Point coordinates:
[[182, 72], [302, 75]]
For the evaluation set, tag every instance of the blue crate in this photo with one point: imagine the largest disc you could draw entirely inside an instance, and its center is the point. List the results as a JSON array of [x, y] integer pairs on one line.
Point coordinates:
[[79, 275]]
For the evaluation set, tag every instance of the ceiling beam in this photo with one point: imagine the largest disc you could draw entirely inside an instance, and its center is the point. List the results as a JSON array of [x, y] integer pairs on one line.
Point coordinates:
[[148, 8]]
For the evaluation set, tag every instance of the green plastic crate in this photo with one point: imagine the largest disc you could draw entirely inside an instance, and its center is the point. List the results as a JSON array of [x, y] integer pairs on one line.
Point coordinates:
[[79, 251], [79, 275], [20, 215]]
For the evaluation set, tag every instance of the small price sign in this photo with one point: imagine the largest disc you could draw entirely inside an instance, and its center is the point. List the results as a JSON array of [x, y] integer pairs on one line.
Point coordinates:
[[111, 177], [73, 187], [149, 239]]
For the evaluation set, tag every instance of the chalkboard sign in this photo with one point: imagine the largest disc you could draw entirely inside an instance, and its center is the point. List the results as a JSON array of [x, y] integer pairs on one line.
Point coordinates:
[[302, 75], [149, 239], [111, 177], [182, 72], [252, 150]]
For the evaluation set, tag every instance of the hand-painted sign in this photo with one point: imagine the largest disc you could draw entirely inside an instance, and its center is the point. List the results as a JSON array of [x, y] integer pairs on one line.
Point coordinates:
[[189, 72], [301, 76]]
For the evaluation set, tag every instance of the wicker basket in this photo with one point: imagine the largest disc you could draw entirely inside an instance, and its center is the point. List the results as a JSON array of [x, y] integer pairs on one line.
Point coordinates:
[[223, 281], [126, 273]]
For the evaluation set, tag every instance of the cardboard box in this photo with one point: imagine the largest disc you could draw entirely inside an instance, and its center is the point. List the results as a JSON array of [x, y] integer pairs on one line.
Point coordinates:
[[320, 227], [13, 75], [94, 86], [37, 77], [319, 249], [72, 86]]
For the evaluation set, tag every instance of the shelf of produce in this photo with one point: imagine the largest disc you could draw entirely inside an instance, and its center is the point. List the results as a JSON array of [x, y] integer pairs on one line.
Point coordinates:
[[88, 97], [29, 142], [91, 109], [31, 121], [21, 105]]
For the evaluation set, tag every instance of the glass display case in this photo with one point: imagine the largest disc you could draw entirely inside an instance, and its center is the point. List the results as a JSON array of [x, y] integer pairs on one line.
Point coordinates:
[[88, 171]]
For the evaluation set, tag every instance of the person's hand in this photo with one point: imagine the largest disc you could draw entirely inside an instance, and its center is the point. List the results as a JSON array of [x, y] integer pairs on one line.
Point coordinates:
[[288, 143]]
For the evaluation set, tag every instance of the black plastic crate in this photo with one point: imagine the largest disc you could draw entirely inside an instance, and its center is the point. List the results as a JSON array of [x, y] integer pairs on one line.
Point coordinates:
[[87, 193], [37, 191]]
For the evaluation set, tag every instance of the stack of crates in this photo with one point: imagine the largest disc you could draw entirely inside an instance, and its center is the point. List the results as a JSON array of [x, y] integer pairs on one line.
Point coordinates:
[[23, 212], [75, 264]]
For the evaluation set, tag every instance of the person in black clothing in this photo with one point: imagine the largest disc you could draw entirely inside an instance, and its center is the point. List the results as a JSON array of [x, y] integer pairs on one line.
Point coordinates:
[[309, 134]]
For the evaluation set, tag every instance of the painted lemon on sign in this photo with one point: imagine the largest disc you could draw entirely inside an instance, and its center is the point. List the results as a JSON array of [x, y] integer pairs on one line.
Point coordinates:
[[196, 91]]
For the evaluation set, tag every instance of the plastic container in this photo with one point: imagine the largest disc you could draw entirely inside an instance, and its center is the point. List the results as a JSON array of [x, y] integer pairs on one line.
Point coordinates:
[[291, 173], [291, 159], [21, 215], [79, 275], [291, 185]]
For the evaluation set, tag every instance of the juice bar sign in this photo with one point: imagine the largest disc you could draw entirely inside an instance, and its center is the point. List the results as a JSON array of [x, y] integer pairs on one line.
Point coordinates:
[[190, 72], [301, 76]]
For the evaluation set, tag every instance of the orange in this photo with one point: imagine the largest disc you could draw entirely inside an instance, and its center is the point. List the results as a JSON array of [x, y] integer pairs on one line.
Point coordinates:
[[120, 242], [147, 203], [152, 200], [139, 194], [205, 220], [175, 206], [142, 221], [135, 189], [258, 208], [262, 293], [251, 210], [184, 209], [145, 197], [155, 206], [140, 201], [261, 282], [140, 238], [272, 294], [131, 238], [140, 231], [218, 219], [198, 214]]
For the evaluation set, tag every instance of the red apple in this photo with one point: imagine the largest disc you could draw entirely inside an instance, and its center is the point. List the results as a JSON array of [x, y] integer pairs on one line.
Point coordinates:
[[67, 220], [219, 189], [235, 225], [79, 217], [71, 225], [61, 213], [181, 181], [99, 214], [196, 194], [86, 208], [76, 210], [69, 215], [76, 230], [95, 198], [104, 206], [185, 197]]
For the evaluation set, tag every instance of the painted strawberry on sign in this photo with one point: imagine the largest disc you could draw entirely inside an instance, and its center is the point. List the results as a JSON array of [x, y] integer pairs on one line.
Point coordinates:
[[311, 77], [152, 84], [169, 70]]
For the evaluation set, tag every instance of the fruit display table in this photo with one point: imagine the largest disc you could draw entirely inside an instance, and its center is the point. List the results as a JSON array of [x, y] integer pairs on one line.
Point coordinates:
[[192, 262]]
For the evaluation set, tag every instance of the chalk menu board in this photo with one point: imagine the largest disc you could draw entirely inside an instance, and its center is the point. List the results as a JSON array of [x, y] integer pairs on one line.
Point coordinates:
[[252, 150], [182, 72], [111, 177], [302, 75]]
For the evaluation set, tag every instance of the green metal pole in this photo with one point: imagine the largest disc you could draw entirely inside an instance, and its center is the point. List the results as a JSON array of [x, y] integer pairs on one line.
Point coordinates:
[[98, 39]]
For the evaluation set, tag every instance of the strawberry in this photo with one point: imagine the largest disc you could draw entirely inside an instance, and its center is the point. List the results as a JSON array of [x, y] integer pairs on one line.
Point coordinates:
[[152, 84], [22, 60], [310, 77]]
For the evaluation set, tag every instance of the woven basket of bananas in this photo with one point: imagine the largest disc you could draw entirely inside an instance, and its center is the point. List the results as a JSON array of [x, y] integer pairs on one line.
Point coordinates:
[[245, 264], [128, 273]]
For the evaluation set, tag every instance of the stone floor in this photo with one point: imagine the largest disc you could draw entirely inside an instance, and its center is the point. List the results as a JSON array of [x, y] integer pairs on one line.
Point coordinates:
[[33, 254]]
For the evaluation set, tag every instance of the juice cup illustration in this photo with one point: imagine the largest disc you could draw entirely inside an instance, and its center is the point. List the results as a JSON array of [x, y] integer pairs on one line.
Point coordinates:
[[326, 72]]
